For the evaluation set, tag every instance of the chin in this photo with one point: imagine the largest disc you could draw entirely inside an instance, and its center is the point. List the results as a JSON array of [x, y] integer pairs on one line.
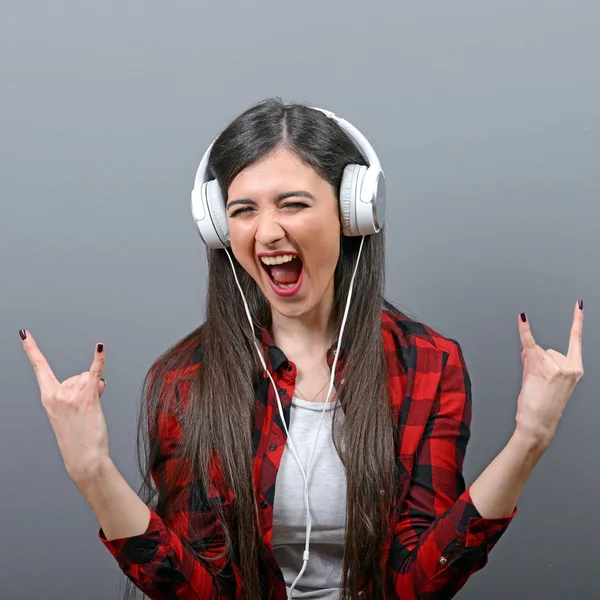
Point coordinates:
[[291, 308], [291, 312]]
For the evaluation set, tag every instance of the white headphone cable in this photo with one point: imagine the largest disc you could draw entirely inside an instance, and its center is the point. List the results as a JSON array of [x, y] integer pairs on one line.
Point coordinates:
[[305, 475]]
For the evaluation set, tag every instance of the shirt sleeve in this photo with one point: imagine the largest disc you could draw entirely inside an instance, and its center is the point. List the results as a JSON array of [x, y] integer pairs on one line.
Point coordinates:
[[161, 562], [441, 539]]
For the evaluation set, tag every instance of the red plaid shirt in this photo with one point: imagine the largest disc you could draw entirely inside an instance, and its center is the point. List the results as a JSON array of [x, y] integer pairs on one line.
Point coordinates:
[[437, 538]]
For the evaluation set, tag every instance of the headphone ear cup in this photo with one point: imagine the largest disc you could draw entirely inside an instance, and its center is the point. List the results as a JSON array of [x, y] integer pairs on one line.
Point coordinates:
[[349, 190], [216, 210]]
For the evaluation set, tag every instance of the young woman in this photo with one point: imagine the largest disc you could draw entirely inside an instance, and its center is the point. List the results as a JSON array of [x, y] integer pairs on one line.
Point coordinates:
[[329, 397]]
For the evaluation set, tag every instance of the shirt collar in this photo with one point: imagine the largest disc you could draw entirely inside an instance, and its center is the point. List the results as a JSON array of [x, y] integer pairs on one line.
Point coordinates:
[[277, 357]]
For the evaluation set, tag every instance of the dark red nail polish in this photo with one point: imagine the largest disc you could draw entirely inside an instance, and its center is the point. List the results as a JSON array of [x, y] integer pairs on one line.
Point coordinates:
[[524, 317], [100, 347], [22, 333], [581, 305]]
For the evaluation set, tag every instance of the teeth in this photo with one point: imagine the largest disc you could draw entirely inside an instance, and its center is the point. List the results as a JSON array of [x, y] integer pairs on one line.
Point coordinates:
[[277, 260]]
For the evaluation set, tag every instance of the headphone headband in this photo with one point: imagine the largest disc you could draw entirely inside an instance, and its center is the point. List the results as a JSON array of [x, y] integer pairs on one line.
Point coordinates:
[[360, 141], [362, 193]]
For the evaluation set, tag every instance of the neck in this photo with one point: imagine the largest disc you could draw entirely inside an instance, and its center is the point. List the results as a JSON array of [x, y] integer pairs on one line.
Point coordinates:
[[310, 333]]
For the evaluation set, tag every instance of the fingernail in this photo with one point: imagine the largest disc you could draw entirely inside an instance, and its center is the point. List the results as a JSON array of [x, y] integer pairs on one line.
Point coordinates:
[[102, 379], [524, 317], [581, 305], [100, 347], [22, 333]]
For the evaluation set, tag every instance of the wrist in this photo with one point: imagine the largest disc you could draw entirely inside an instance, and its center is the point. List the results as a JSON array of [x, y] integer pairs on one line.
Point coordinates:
[[94, 474], [531, 442]]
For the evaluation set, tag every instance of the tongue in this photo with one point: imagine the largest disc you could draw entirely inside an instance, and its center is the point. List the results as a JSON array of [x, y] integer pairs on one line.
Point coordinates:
[[288, 272]]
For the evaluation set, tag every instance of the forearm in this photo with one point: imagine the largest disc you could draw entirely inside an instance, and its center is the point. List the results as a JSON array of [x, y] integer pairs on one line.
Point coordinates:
[[496, 491], [120, 511]]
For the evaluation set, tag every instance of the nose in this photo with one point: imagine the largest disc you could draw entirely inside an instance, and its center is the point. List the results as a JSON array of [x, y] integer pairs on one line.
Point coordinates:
[[268, 230]]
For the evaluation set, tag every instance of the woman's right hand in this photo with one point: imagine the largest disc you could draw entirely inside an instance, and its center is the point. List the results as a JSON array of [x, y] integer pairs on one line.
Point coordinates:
[[75, 413]]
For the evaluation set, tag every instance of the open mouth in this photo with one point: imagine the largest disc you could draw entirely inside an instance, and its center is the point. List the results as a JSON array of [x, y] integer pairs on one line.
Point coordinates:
[[284, 273]]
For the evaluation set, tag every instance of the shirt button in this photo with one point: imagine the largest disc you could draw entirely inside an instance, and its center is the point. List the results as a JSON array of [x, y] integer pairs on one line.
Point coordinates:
[[281, 391], [263, 504], [443, 560], [288, 367], [273, 447]]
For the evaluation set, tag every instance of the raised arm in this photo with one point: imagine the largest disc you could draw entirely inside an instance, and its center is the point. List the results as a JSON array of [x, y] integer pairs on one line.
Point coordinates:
[[151, 551], [445, 532]]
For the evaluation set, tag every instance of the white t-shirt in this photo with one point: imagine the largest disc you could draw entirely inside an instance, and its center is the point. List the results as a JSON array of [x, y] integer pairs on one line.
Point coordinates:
[[327, 494]]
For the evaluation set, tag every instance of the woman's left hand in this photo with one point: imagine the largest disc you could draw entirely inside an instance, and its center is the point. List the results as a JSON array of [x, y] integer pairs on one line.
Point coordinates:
[[549, 379]]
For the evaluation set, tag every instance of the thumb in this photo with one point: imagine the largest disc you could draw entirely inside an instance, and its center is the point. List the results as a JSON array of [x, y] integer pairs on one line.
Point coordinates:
[[97, 368]]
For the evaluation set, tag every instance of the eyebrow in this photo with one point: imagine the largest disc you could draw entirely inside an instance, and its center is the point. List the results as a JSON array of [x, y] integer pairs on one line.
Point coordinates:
[[295, 194]]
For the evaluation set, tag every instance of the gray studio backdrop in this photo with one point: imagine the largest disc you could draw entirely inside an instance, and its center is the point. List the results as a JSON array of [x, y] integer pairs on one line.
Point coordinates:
[[486, 118]]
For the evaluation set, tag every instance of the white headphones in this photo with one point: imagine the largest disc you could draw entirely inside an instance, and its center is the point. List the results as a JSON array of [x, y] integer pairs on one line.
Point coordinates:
[[362, 194]]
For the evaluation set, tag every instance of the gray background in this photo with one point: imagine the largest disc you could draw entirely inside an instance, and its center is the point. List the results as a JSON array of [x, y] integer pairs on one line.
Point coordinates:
[[486, 118]]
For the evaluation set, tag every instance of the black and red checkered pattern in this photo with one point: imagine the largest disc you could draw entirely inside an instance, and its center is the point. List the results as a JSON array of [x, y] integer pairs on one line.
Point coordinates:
[[437, 539]]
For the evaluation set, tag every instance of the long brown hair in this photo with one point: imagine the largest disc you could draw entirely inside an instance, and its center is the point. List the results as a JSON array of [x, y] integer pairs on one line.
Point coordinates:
[[219, 417]]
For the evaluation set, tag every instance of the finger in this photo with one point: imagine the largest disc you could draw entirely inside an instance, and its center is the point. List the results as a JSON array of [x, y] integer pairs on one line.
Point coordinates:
[[97, 368], [72, 382], [82, 381], [527, 339], [574, 352], [43, 372]]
